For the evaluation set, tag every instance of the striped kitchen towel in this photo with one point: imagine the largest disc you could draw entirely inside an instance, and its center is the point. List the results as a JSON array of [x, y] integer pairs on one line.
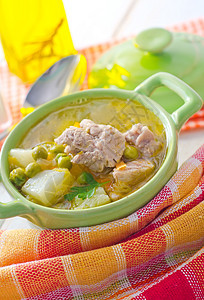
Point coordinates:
[[156, 253]]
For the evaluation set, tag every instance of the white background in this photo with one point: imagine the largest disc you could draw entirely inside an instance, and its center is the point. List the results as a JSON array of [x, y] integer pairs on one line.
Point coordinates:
[[94, 21]]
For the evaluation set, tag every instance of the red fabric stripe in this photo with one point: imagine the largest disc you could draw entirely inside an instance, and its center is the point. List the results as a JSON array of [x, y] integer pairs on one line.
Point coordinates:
[[36, 278], [160, 201], [53, 243], [180, 289], [196, 269]]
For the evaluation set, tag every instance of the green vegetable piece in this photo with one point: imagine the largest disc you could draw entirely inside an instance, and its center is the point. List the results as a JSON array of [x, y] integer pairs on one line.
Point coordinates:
[[130, 152], [18, 177], [55, 149], [86, 191], [97, 199], [64, 162], [89, 178], [39, 152], [48, 186], [60, 155], [82, 179], [90, 193], [32, 169]]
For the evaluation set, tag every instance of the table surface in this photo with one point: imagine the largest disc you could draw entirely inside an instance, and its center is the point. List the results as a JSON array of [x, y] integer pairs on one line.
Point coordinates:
[[92, 22]]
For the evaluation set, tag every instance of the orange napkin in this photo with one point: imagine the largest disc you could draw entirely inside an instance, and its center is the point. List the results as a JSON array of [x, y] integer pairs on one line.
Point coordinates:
[[155, 253]]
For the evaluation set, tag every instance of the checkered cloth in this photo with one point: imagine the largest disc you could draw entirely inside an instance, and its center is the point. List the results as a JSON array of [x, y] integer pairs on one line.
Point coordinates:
[[156, 253], [14, 91]]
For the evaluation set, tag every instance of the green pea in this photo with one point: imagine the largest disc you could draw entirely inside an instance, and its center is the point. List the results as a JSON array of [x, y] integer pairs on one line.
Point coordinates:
[[82, 179], [64, 162], [39, 152], [32, 169], [130, 152], [55, 149], [18, 177], [60, 155]]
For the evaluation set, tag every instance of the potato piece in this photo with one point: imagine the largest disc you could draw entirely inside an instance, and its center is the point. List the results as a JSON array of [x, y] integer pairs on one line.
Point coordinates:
[[20, 157], [48, 186], [99, 198]]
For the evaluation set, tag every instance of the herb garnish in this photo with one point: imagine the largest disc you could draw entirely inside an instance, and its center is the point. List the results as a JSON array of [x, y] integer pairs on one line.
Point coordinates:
[[85, 191]]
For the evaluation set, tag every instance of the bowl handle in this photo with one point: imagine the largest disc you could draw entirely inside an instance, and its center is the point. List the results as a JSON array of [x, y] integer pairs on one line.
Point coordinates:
[[192, 101], [13, 208]]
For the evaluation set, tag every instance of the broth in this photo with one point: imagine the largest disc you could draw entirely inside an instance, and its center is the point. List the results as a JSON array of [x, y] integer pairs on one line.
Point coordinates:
[[121, 114], [105, 185]]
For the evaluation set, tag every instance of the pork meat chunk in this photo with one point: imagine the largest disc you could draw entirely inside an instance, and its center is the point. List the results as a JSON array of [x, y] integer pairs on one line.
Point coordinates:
[[124, 179], [143, 138], [93, 145], [133, 172], [76, 139]]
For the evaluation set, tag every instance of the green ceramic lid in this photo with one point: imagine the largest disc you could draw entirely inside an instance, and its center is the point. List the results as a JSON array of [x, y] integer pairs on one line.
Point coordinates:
[[153, 40], [154, 50]]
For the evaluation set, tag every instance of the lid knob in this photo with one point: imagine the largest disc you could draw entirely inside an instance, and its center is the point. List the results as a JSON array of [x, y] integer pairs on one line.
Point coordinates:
[[153, 40]]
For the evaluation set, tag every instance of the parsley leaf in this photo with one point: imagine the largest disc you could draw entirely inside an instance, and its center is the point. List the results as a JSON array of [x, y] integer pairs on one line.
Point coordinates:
[[85, 191]]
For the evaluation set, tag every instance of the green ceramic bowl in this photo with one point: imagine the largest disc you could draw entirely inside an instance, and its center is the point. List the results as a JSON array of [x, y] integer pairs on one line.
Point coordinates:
[[60, 218]]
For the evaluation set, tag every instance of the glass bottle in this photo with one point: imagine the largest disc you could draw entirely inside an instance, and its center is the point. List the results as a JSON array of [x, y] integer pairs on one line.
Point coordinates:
[[34, 35]]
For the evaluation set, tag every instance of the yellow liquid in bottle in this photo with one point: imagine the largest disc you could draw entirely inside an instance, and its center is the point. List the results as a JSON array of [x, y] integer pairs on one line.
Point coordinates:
[[34, 35]]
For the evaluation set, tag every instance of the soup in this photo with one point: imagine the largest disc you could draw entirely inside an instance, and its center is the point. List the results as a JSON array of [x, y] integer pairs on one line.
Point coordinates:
[[88, 154]]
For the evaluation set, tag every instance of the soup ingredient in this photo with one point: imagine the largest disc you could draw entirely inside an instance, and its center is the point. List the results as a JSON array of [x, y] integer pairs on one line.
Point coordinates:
[[85, 191], [46, 164], [55, 149], [98, 198], [94, 145], [60, 155], [101, 150], [32, 169], [143, 138], [134, 171], [17, 177], [20, 157], [64, 162], [39, 152], [120, 165], [130, 152], [77, 124], [82, 178], [47, 187], [124, 179]]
